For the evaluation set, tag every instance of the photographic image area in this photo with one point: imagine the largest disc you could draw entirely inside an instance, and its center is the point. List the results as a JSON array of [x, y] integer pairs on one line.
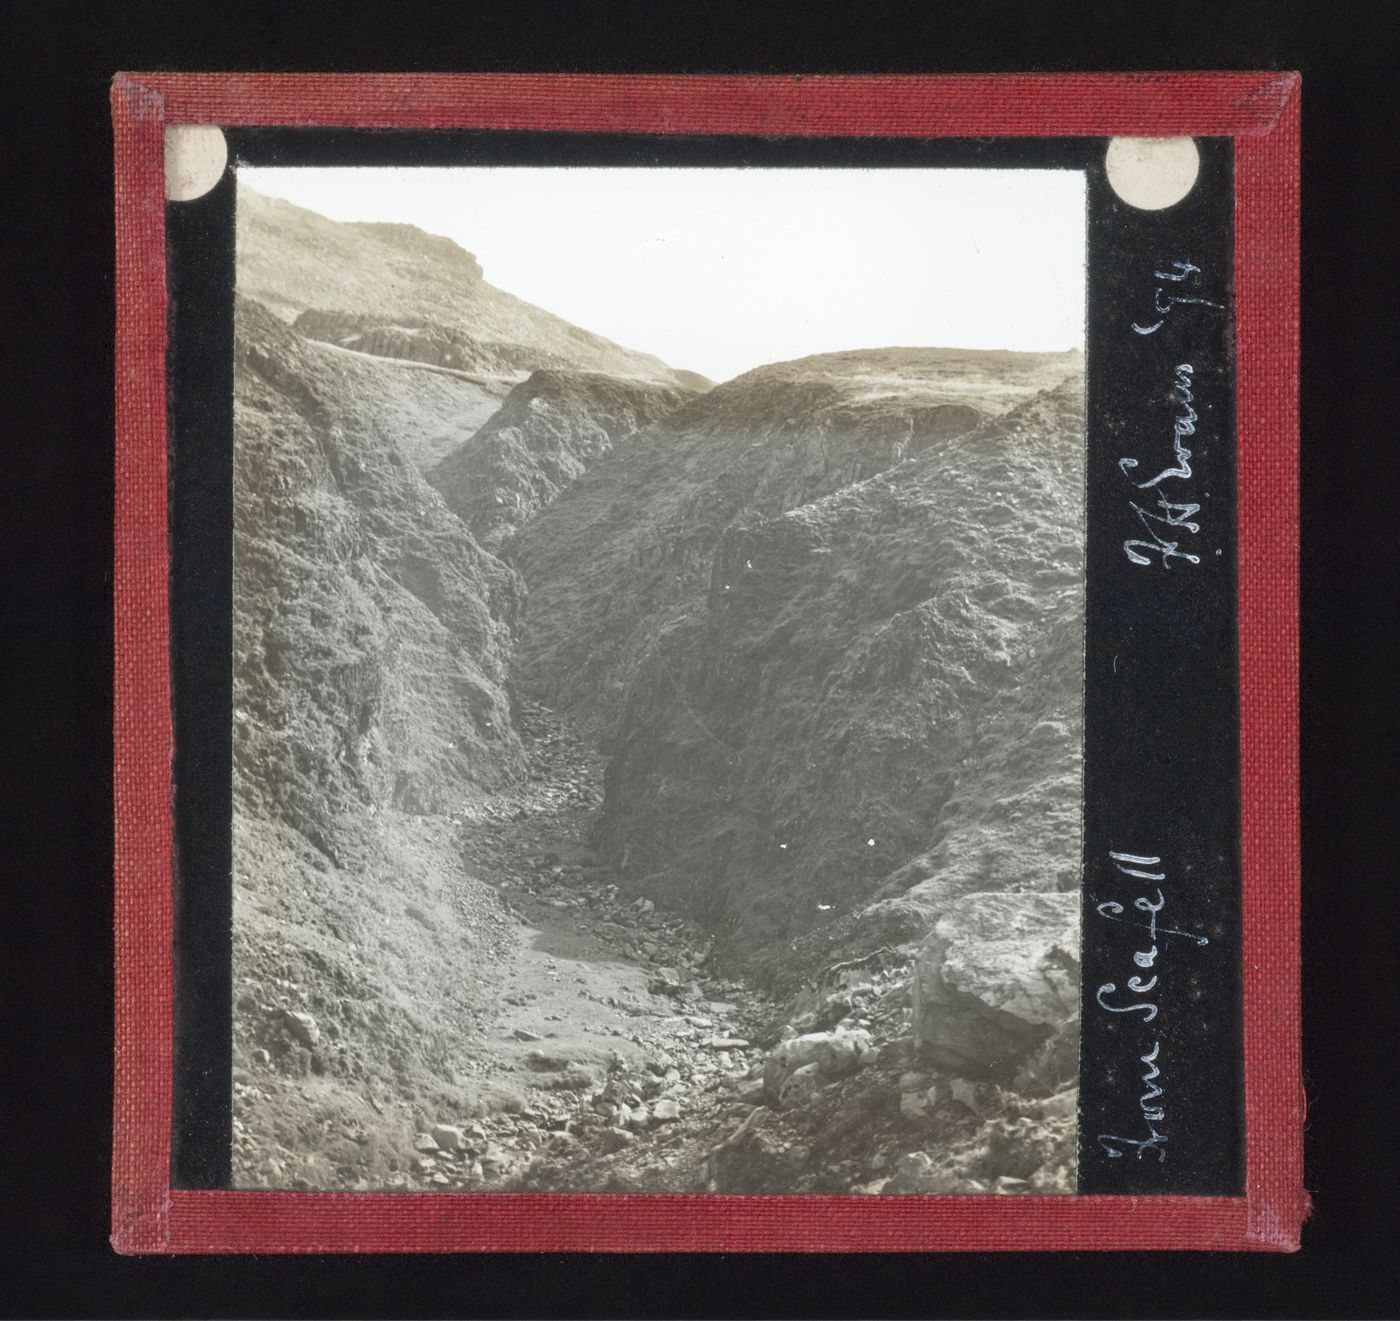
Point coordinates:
[[658, 679]]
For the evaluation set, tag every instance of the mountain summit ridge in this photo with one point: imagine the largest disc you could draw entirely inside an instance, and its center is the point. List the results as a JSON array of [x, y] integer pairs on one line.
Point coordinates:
[[294, 261]]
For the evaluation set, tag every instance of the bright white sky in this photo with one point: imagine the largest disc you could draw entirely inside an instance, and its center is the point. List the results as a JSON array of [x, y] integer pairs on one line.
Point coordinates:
[[722, 270]]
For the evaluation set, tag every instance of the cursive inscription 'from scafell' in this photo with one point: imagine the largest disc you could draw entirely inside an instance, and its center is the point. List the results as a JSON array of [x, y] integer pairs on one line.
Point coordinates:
[[1139, 997]]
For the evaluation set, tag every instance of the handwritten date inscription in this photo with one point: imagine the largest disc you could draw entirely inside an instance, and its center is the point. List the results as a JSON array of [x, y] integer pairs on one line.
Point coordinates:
[[1165, 301]]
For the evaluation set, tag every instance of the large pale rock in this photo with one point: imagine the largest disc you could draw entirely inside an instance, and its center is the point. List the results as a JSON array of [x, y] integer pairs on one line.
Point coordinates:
[[918, 1172], [301, 1028], [817, 1057], [997, 976], [448, 1137]]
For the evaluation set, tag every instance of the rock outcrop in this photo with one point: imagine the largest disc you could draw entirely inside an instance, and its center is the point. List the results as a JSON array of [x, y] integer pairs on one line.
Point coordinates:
[[372, 639], [412, 292], [998, 975], [412, 339], [550, 429], [372, 635]]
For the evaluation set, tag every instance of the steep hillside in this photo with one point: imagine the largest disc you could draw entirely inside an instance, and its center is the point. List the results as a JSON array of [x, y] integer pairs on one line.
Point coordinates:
[[879, 700], [372, 637], [629, 548], [346, 559], [828, 624], [402, 293], [548, 431]]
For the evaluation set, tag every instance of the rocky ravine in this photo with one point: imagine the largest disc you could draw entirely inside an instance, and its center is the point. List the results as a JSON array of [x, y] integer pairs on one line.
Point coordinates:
[[553, 866], [827, 622], [395, 812]]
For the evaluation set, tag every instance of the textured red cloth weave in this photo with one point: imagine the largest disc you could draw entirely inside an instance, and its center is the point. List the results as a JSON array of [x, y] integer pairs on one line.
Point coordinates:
[[1260, 111]]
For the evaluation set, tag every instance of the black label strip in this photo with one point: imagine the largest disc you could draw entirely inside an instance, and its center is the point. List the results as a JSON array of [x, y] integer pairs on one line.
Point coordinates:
[[1160, 1053]]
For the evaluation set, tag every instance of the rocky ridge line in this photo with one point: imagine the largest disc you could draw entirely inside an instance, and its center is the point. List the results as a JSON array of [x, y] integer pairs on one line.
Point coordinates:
[[548, 431]]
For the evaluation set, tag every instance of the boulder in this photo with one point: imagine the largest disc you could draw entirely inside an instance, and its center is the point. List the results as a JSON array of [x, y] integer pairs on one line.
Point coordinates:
[[913, 1106], [725, 1043], [827, 1054], [301, 1027], [614, 1139], [919, 1172], [666, 981], [997, 976], [448, 1137], [495, 1161], [800, 1087]]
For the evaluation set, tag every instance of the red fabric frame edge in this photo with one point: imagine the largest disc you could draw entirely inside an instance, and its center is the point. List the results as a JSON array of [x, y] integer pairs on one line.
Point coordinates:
[[1261, 112]]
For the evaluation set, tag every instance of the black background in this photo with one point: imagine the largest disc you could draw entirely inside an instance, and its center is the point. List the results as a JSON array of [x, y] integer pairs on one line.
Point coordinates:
[[56, 992], [1160, 749]]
